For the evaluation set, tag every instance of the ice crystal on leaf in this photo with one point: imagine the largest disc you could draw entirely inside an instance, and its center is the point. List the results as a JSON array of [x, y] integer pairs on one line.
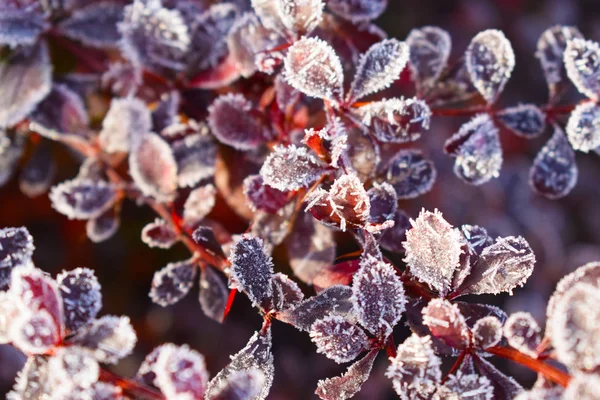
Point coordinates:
[[410, 173], [429, 52], [357, 10], [72, 366], [35, 333], [20, 27], [94, 24], [554, 171], [81, 296], [60, 114], [525, 120], [582, 387], [446, 322], [195, 155], [32, 380], [462, 386], [583, 128], [433, 250], [159, 234], [415, 371], [263, 197], [290, 168], [477, 238], [312, 67], [384, 203], [582, 62], [241, 385], [487, 332], [289, 17], [252, 271], [490, 61], [103, 227], [346, 386], [378, 68], [180, 372], [338, 339], [523, 333], [126, 120], [199, 204], [16, 249], [83, 199], [171, 283], [286, 293]]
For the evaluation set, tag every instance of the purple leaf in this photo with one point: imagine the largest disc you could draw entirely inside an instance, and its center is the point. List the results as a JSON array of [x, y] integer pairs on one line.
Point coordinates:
[[525, 120], [446, 322], [32, 381], [37, 175], [357, 10], [199, 204], [392, 238], [384, 202], [346, 386], [581, 62], [338, 339], [82, 300], [263, 197], [505, 388], [240, 385], [429, 52], [286, 293], [487, 332], [290, 168], [180, 372], [62, 112], [94, 24], [104, 226], [204, 236], [213, 293], [171, 283], [582, 128], [83, 199], [127, 120], [410, 173], [21, 27], [195, 155], [159, 234], [523, 333], [35, 332], [16, 249]]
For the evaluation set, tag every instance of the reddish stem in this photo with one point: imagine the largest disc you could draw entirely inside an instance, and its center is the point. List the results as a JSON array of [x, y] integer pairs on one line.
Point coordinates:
[[130, 387], [456, 365]]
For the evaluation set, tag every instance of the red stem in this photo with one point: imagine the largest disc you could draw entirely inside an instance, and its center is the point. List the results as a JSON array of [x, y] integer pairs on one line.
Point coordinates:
[[130, 387], [456, 365]]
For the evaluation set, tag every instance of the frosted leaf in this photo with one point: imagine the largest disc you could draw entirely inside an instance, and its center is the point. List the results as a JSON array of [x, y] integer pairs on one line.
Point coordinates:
[[461, 386], [126, 120], [396, 120], [411, 174], [476, 147], [429, 52], [378, 68], [446, 322], [263, 197], [252, 271], [106, 391], [21, 27], [235, 122], [554, 393], [153, 167], [384, 202], [241, 385], [582, 62], [415, 371], [392, 238], [37, 175], [166, 112], [338, 339], [94, 24], [159, 234], [81, 296], [205, 237], [550, 51], [16, 248], [473, 312], [213, 293], [9, 309], [582, 387], [32, 380], [171, 283], [583, 128], [477, 238], [433, 250], [109, 338], [300, 16], [554, 171], [505, 387], [268, 12], [103, 227], [122, 78], [346, 386], [335, 300], [312, 67], [35, 333], [154, 36], [25, 80], [575, 328], [501, 267], [286, 293], [290, 168], [490, 61], [195, 156], [83, 199], [72, 366], [523, 333], [454, 85], [62, 112], [285, 95], [487, 332], [180, 372], [273, 228], [199, 204], [377, 296], [525, 120], [357, 10], [256, 355]]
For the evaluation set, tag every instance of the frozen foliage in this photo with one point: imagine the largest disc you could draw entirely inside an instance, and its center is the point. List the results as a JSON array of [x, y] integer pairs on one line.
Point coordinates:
[[290, 18], [582, 62], [103, 227], [410, 173], [338, 339], [127, 119], [83, 199], [286, 293], [256, 355], [446, 322], [415, 371], [252, 271], [37, 175], [477, 238], [490, 61], [95, 24], [554, 393], [263, 197], [465, 387], [346, 386], [505, 387], [62, 112], [392, 238], [180, 372], [477, 150], [72, 366], [213, 293], [378, 296], [583, 128], [429, 52], [159, 234], [195, 155], [378, 68], [34, 333], [82, 300], [487, 332], [199, 203], [171, 283], [526, 120], [153, 167], [550, 51], [312, 67], [384, 202], [32, 380], [241, 385], [290, 168], [523, 333], [583, 387], [357, 10], [433, 250], [21, 27], [205, 236], [16, 249], [554, 171]]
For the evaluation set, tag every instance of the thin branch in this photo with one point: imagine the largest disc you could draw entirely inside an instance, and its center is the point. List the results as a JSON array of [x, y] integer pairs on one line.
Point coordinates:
[[130, 387]]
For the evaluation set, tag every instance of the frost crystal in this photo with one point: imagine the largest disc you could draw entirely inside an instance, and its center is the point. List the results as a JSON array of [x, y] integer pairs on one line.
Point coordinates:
[[582, 387], [300, 16], [35, 333], [490, 61], [312, 67], [32, 380], [82, 299], [411, 174], [583, 128], [290, 168], [378, 68], [433, 250], [476, 147], [357, 10], [127, 119], [525, 120], [523, 333], [95, 24], [72, 366], [180, 372], [252, 271], [465, 387], [554, 171], [550, 51], [338, 339], [415, 371], [241, 385], [171, 283], [195, 155], [346, 386], [446, 322], [16, 248], [159, 234], [377, 296], [487, 332], [477, 238], [83, 199], [199, 204], [582, 62], [429, 51]]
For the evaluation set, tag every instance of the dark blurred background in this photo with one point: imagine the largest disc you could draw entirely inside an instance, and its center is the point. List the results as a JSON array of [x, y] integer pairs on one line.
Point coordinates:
[[564, 234]]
